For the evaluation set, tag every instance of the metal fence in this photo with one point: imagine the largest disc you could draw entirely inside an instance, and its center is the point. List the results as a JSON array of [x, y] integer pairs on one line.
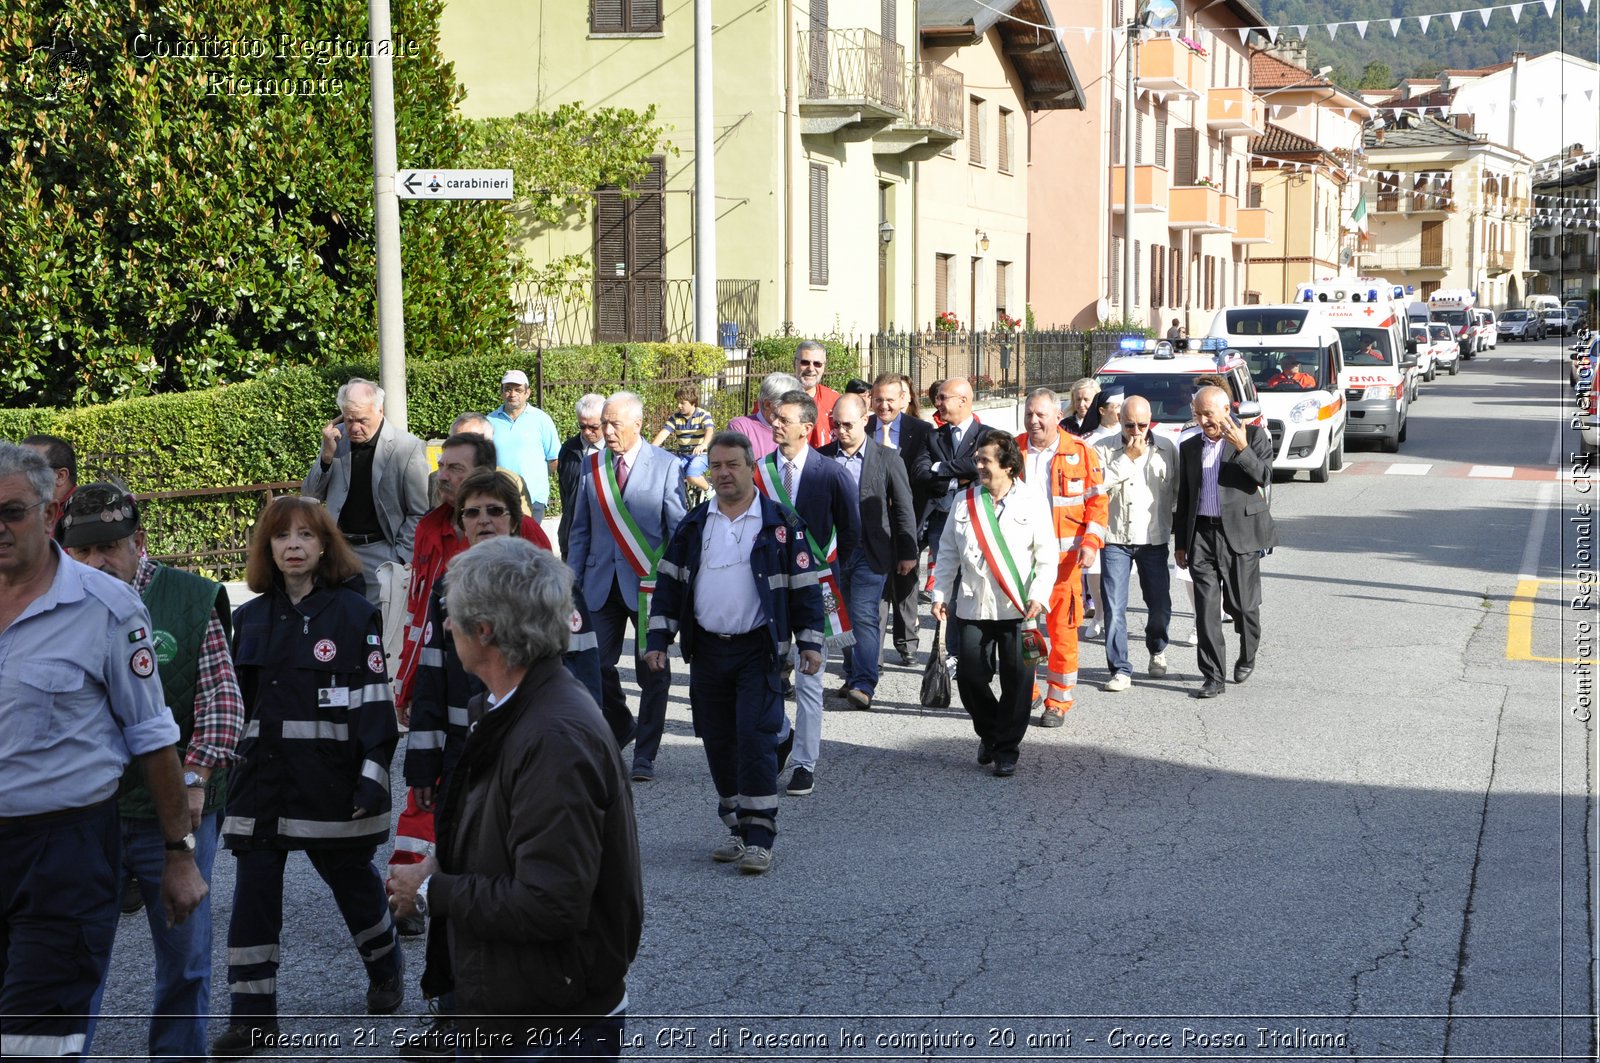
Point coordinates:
[[653, 311]]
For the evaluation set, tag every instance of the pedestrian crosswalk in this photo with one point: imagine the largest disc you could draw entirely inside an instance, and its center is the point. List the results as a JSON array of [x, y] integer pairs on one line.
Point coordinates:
[[1457, 470]]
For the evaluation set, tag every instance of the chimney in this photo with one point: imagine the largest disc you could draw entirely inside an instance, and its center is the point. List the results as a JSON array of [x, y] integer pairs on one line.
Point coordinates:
[[1462, 122]]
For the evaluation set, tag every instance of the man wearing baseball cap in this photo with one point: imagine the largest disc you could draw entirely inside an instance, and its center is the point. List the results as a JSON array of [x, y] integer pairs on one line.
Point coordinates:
[[189, 633], [525, 440]]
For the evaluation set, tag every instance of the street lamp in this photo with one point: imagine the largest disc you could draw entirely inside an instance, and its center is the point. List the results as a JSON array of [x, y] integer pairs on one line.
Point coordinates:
[[1154, 15]]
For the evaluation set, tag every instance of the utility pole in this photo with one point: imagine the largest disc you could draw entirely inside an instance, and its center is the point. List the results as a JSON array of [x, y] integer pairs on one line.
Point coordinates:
[[705, 182], [386, 219], [1128, 104]]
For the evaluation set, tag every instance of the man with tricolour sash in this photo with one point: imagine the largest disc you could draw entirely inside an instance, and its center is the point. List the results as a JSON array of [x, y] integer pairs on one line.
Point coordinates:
[[629, 502], [797, 477]]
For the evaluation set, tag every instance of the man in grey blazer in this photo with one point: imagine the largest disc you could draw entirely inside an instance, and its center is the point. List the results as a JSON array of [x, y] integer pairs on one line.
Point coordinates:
[[1224, 522], [373, 477], [888, 542], [608, 549]]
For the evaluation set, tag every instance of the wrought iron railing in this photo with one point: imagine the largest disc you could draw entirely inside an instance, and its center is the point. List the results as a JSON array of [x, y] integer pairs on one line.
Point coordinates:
[[849, 65], [1398, 260], [935, 98], [635, 311]]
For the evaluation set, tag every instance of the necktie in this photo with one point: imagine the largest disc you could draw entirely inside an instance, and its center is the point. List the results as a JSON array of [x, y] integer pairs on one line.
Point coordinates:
[[883, 436], [788, 478], [622, 474]]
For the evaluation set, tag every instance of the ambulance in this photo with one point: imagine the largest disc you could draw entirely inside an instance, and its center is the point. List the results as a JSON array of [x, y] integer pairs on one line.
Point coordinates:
[[1166, 378], [1295, 360], [1454, 307]]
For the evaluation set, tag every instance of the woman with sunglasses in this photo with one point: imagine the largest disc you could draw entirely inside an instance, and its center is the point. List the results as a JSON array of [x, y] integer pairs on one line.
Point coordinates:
[[312, 769]]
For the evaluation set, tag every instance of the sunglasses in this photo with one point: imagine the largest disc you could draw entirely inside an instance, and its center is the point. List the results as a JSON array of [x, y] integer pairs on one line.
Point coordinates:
[[1136, 425], [472, 512], [16, 511], [810, 365]]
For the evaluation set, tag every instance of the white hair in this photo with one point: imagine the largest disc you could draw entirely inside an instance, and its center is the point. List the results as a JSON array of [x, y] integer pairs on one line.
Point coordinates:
[[591, 405], [359, 392], [775, 385], [25, 461], [521, 593], [629, 401]]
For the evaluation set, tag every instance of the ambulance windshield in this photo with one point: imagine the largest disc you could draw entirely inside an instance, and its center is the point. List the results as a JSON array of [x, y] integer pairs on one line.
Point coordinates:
[[1366, 346], [1277, 369]]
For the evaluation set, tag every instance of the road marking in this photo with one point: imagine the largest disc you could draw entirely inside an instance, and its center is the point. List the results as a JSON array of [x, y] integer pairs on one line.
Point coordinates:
[[1498, 472], [1519, 625], [1449, 470], [1402, 468]]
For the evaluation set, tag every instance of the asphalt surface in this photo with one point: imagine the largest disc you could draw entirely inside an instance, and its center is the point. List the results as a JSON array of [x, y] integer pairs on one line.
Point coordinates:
[[1381, 846]]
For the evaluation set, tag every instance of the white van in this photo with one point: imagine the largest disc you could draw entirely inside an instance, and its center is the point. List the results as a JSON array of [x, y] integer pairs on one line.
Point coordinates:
[[1455, 307], [1295, 360]]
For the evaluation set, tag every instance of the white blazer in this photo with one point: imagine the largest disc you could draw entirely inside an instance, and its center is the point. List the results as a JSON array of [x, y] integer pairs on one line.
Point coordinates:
[[1026, 525]]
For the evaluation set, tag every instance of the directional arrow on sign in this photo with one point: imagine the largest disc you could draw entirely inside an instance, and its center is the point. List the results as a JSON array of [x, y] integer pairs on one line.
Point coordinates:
[[453, 184]]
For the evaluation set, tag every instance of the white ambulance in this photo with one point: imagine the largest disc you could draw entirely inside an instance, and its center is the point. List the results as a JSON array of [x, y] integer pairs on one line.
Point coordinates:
[[1296, 363], [1454, 307]]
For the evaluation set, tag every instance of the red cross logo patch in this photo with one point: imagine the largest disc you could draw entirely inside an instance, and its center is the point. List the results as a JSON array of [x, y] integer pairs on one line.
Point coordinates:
[[325, 650]]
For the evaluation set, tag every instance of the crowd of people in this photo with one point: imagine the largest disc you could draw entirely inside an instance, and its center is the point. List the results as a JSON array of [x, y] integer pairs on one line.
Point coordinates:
[[392, 599]]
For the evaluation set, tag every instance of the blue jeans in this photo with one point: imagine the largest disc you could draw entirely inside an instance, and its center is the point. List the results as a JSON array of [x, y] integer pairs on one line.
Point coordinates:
[[863, 599], [1116, 564], [600, 1040], [181, 999], [536, 511]]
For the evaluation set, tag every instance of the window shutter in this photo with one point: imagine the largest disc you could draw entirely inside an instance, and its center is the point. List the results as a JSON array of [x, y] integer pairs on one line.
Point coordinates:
[[1138, 137], [1116, 132], [1116, 269], [1156, 299], [1136, 273], [644, 16], [647, 252], [817, 67], [1185, 143], [1003, 131], [605, 16], [1161, 135], [888, 29], [1002, 288], [975, 130], [819, 224], [1177, 277], [941, 283], [610, 258], [1255, 195]]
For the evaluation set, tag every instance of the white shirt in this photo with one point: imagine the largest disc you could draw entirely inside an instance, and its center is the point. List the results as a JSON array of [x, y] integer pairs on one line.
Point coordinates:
[[725, 599], [799, 467], [631, 455], [1038, 467]]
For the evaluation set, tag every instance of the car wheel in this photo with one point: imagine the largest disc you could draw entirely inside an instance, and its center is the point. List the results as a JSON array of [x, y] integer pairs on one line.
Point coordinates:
[[1405, 426], [1319, 475], [1390, 444], [1336, 459], [1455, 367]]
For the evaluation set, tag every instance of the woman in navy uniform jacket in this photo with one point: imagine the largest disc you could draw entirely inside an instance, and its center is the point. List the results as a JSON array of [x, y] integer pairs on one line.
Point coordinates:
[[313, 768]]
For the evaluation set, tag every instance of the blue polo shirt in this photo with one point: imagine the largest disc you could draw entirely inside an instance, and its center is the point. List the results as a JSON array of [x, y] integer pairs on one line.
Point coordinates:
[[526, 446], [79, 695]]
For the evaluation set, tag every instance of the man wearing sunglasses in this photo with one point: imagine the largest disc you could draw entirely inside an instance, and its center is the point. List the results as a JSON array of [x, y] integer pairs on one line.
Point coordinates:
[[79, 698], [810, 362], [1141, 472]]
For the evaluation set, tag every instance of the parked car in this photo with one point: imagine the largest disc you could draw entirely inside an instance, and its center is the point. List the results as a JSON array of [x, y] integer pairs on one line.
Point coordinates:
[[1520, 325], [1555, 322], [1427, 352], [1488, 334], [1580, 307], [1446, 351], [1575, 315]]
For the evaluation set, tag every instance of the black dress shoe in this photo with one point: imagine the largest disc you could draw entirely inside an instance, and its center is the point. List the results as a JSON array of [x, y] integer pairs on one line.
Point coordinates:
[[1242, 671], [906, 659], [784, 748], [985, 754], [1005, 768], [788, 688], [1210, 688]]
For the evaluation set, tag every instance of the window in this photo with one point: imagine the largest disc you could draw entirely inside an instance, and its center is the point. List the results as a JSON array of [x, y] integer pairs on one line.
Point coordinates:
[[1185, 146], [1116, 269], [1158, 260], [1002, 289], [975, 131], [1177, 277], [1254, 199], [629, 254], [818, 224], [1003, 149], [1136, 273], [624, 16], [1138, 137], [1116, 132], [942, 265], [1161, 135]]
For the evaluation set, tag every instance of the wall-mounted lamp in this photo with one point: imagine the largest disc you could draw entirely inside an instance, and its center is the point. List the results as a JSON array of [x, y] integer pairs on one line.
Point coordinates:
[[886, 232], [983, 239]]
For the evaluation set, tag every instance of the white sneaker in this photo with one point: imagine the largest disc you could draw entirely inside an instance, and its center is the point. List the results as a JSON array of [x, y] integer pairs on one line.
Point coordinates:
[[1120, 681], [1191, 639], [1158, 665], [1092, 630]]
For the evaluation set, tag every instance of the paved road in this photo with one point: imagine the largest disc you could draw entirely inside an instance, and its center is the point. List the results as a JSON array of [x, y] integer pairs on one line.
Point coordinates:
[[1381, 846]]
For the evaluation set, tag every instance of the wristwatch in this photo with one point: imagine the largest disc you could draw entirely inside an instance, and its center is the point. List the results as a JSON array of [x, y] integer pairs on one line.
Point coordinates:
[[422, 897], [184, 844], [192, 780]]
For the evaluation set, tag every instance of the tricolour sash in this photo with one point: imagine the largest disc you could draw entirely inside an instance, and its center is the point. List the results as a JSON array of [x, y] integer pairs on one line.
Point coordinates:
[[835, 620], [636, 549], [986, 527]]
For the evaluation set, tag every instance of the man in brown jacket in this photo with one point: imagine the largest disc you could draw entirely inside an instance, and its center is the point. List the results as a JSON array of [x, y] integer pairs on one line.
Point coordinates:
[[536, 886]]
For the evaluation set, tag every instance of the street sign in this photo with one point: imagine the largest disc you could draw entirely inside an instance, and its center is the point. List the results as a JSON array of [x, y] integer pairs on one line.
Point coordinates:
[[453, 184]]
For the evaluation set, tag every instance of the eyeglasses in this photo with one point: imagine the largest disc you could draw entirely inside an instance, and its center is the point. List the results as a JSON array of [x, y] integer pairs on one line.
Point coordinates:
[[16, 511], [810, 365], [1137, 426], [472, 512], [590, 427]]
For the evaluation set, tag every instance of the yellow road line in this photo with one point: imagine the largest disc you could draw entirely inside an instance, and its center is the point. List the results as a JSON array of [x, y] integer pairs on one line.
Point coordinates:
[[1519, 624]]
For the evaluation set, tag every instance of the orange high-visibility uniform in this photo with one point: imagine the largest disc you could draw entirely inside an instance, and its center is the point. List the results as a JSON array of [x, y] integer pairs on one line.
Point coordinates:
[[1079, 507]]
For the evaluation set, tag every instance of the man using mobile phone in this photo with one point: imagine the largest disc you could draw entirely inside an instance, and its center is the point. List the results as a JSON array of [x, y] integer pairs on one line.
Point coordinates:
[[1141, 471]]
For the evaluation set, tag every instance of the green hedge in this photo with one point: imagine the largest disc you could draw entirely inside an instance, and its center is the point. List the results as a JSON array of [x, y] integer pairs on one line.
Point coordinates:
[[268, 429]]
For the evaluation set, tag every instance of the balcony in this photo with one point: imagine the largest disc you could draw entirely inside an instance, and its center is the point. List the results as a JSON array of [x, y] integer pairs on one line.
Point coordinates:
[[935, 112], [1415, 204], [1411, 260], [1199, 208], [1236, 112], [1251, 228], [849, 79], [1230, 212], [1150, 189], [1169, 67], [1500, 261], [1571, 262]]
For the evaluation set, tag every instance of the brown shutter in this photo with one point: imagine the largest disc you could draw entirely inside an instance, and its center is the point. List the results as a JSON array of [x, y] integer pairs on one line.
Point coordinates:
[[887, 23], [1136, 250], [1185, 145], [1432, 244], [647, 252], [606, 16], [610, 253], [1138, 136], [1003, 132], [1161, 135], [644, 16], [941, 283], [1255, 196], [1002, 288], [1156, 259], [817, 67], [818, 219], [1116, 133], [1116, 269], [1177, 277], [975, 130]]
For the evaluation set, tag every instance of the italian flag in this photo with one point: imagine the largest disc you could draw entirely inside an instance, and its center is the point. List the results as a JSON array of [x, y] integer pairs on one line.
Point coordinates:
[[1358, 216]]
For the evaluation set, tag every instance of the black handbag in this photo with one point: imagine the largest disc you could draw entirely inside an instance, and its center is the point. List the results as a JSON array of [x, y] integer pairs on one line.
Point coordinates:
[[936, 676]]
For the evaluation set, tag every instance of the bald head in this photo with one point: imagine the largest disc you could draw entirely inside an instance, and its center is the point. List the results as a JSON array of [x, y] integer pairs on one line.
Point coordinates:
[[955, 400], [850, 421], [1211, 411]]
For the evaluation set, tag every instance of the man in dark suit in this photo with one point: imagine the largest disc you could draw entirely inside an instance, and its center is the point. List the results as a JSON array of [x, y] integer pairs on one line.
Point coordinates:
[[896, 426], [1223, 524], [373, 477], [823, 496], [954, 468], [888, 538], [629, 503], [585, 442]]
